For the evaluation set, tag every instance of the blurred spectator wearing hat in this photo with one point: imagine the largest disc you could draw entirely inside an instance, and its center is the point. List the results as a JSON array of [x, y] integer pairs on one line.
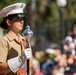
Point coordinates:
[[47, 64], [69, 45], [69, 48], [12, 55], [57, 61]]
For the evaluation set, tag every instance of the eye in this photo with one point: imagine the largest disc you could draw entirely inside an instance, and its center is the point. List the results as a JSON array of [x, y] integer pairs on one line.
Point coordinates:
[[19, 18]]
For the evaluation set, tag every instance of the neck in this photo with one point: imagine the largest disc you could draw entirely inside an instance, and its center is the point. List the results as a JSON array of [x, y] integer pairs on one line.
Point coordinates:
[[13, 33]]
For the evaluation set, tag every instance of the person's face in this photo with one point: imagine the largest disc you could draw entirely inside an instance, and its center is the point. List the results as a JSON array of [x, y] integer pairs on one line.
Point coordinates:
[[37, 55], [68, 42], [54, 72], [16, 24]]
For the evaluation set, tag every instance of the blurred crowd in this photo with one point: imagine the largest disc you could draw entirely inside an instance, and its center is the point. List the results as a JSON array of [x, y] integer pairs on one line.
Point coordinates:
[[62, 63]]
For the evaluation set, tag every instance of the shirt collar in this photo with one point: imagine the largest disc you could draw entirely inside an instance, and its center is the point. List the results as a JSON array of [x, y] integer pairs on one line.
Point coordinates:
[[11, 38]]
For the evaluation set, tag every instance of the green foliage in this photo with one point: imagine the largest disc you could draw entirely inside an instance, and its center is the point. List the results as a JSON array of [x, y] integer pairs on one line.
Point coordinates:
[[46, 16], [4, 3], [52, 56]]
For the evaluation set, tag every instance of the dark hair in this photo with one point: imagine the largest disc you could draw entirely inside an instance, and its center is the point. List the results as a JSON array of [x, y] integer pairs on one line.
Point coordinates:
[[3, 24], [46, 55], [73, 24]]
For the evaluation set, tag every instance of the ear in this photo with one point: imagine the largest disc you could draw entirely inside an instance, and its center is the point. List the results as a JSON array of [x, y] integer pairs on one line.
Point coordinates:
[[8, 22]]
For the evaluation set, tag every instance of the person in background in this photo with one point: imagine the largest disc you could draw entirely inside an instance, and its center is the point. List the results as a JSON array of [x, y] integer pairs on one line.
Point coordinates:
[[36, 64], [69, 45], [73, 33], [59, 59], [47, 64], [55, 70], [12, 56], [70, 68], [74, 37]]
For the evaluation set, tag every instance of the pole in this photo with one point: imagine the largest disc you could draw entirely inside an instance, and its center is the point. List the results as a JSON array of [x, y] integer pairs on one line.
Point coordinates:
[[28, 62], [62, 26], [28, 33]]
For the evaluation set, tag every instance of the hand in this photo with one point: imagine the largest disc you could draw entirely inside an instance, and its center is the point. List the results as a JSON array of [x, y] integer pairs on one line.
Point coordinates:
[[15, 63], [28, 53]]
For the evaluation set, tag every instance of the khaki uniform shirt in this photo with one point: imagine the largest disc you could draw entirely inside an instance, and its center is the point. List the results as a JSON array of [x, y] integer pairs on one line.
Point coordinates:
[[10, 48]]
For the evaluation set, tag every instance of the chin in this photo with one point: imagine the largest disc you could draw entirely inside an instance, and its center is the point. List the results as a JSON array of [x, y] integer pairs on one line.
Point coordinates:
[[20, 28]]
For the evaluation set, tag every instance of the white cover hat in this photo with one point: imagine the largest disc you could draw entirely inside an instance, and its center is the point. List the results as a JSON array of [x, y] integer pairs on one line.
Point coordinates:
[[68, 38], [12, 9], [49, 50]]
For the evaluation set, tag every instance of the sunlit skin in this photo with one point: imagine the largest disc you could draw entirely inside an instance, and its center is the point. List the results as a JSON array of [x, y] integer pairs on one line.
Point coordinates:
[[15, 25]]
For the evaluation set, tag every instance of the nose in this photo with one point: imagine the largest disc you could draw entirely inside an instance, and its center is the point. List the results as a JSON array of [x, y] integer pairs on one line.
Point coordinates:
[[22, 21]]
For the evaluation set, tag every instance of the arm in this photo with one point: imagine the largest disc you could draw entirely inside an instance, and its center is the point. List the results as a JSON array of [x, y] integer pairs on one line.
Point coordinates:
[[4, 68], [75, 57], [69, 47], [63, 61], [3, 56], [15, 63], [12, 64]]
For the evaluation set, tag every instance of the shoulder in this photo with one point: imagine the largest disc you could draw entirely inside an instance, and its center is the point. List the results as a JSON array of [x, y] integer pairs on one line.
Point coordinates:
[[22, 37], [3, 39], [72, 44]]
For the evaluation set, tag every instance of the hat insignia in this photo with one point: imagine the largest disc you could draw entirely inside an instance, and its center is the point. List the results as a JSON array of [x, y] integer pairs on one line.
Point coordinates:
[[21, 5]]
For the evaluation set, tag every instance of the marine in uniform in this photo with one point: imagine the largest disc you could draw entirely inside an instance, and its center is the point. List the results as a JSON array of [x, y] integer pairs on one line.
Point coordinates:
[[12, 56]]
